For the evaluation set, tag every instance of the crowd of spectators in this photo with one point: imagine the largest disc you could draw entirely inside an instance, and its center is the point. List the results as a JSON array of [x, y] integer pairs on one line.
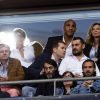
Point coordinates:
[[64, 56]]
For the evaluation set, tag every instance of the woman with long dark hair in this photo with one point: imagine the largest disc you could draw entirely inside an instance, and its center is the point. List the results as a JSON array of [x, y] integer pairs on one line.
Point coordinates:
[[68, 85]]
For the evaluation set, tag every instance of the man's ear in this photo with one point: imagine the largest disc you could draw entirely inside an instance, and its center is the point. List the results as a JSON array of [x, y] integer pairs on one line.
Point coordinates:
[[54, 49], [83, 46]]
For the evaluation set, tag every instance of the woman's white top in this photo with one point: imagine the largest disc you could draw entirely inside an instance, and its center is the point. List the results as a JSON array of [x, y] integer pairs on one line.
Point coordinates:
[[93, 52]]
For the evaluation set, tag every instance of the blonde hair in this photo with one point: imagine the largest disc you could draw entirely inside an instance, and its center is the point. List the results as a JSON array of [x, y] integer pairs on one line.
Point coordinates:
[[90, 38]]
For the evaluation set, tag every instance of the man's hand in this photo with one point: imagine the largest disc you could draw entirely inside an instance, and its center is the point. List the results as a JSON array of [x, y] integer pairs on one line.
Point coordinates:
[[88, 83], [42, 71], [3, 79], [77, 75]]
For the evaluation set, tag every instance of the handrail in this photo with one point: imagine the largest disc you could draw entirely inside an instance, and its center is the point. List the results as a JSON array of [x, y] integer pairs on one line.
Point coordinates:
[[50, 80]]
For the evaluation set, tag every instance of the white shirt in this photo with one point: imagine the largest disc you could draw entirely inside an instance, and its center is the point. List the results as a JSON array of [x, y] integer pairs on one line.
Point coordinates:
[[93, 52], [28, 56], [72, 64], [53, 57], [68, 49]]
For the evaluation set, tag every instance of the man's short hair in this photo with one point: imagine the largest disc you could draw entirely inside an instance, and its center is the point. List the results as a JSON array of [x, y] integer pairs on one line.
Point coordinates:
[[56, 43], [69, 21], [21, 31], [79, 38]]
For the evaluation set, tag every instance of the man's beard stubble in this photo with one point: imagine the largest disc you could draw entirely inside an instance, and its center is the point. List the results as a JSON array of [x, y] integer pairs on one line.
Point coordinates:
[[77, 53]]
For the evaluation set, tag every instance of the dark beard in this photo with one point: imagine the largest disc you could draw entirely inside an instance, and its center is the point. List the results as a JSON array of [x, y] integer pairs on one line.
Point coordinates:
[[77, 54], [49, 76], [94, 74]]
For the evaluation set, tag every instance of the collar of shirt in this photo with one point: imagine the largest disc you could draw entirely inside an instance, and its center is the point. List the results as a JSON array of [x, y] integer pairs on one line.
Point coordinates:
[[3, 69], [83, 58], [6, 64], [52, 57], [63, 39], [68, 49], [70, 42]]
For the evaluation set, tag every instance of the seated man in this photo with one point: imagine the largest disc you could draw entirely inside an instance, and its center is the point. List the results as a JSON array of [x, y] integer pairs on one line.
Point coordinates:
[[50, 71], [10, 70], [88, 86]]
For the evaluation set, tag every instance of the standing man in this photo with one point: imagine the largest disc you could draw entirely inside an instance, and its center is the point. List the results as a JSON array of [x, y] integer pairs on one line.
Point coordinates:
[[74, 62], [69, 30]]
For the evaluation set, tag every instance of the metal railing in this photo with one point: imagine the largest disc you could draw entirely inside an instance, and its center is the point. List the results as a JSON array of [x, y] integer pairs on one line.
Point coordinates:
[[49, 80]]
